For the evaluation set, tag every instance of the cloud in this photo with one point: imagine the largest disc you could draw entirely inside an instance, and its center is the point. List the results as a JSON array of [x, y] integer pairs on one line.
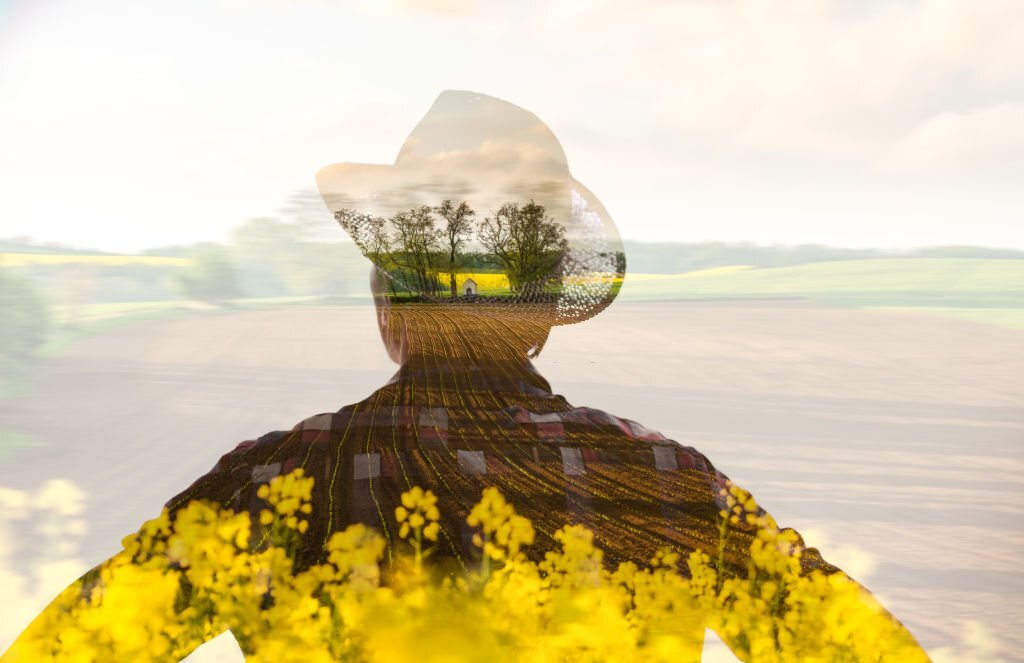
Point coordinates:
[[50, 509], [963, 142], [978, 644], [827, 79], [857, 562], [836, 104]]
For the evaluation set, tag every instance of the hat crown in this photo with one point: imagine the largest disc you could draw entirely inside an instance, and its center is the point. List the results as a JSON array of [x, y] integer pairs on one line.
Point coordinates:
[[472, 123]]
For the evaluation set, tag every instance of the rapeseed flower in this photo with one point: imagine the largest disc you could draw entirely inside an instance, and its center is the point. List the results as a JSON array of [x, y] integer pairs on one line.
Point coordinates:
[[181, 581]]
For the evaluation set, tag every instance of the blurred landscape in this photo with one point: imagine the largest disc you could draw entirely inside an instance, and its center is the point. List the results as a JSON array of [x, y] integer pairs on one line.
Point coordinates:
[[870, 399], [53, 294]]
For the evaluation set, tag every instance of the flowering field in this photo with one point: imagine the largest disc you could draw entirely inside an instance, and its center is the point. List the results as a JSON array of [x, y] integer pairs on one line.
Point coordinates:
[[181, 582], [487, 282], [23, 259]]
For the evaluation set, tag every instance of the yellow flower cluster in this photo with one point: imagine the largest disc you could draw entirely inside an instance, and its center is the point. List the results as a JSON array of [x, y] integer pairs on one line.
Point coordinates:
[[179, 583], [502, 533], [779, 613], [289, 496], [419, 507], [418, 514]]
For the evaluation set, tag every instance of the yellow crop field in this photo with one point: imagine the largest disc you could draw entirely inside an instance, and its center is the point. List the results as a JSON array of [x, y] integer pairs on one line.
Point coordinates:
[[484, 280], [23, 259], [490, 281]]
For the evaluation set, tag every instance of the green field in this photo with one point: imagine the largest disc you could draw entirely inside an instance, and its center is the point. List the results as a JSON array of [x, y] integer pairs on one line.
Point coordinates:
[[937, 283]]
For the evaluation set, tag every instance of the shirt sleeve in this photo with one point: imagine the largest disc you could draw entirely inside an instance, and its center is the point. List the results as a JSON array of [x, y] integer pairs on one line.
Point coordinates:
[[250, 463]]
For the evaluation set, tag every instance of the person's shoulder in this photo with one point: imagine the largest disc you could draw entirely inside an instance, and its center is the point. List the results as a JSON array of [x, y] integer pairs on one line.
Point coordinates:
[[306, 431], [327, 422], [258, 460], [248, 452], [685, 457], [229, 470]]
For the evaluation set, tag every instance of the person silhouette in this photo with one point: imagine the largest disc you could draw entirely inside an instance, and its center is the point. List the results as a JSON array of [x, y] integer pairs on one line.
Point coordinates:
[[467, 409]]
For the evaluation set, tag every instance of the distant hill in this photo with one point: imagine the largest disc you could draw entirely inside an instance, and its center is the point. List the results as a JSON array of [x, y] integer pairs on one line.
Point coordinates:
[[678, 257]]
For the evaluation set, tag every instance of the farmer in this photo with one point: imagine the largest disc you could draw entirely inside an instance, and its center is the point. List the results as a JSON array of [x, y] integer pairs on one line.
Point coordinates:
[[467, 410]]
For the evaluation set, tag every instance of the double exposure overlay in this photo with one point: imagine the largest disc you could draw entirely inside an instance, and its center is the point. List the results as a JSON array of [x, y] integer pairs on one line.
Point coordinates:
[[464, 511]]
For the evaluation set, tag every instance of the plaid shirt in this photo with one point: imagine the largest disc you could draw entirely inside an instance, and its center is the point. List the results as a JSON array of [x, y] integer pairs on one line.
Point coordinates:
[[558, 464]]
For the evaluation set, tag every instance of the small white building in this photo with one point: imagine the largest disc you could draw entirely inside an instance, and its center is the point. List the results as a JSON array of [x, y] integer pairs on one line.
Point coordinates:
[[469, 287]]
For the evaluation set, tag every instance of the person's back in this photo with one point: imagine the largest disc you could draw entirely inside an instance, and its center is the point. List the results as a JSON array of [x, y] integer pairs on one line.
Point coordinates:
[[463, 414]]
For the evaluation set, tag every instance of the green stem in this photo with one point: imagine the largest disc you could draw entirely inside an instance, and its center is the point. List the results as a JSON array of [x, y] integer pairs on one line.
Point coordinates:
[[485, 564], [723, 531]]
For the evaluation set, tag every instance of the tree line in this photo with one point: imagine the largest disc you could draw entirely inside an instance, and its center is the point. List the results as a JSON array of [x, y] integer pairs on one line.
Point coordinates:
[[678, 257], [518, 238]]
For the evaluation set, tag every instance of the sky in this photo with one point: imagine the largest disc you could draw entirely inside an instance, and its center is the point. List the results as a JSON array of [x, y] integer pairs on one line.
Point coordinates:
[[127, 125]]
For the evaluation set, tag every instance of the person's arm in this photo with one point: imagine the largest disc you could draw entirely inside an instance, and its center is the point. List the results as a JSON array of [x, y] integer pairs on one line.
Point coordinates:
[[134, 606], [122, 609], [763, 588]]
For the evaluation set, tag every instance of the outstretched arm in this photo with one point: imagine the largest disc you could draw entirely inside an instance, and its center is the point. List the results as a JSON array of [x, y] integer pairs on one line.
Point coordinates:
[[763, 591], [123, 609], [138, 605]]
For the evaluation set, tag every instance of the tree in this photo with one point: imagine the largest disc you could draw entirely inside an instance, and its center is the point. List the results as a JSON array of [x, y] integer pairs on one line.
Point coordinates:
[[24, 325], [211, 277], [417, 239], [405, 243], [458, 229], [528, 244], [266, 251], [368, 232], [377, 244]]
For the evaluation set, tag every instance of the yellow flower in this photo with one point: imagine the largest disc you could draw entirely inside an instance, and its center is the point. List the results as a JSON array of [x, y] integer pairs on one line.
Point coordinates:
[[181, 582]]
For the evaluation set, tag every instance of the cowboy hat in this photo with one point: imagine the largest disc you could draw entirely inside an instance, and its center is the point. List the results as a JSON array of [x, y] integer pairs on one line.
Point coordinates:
[[485, 151]]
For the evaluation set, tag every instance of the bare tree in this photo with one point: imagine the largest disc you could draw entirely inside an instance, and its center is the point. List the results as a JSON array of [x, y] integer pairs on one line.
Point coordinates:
[[457, 231], [370, 234], [528, 244]]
